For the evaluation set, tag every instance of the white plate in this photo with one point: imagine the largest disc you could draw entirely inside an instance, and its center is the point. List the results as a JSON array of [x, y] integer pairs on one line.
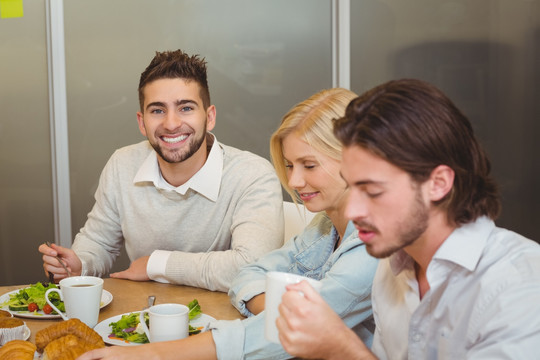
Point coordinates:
[[106, 298], [104, 329]]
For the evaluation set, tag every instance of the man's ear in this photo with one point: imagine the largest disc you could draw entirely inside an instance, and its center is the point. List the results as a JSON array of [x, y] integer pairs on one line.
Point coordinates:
[[441, 182], [140, 120], [210, 117]]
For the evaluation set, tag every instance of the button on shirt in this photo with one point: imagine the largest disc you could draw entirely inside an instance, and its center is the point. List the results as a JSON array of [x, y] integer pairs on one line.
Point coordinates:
[[206, 182], [483, 302]]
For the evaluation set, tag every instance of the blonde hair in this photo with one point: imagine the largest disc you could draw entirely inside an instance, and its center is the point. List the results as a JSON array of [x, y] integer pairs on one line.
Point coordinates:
[[311, 120]]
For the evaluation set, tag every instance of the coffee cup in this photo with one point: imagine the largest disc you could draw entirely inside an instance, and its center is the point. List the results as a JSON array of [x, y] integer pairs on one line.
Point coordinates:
[[167, 322], [276, 283], [81, 296]]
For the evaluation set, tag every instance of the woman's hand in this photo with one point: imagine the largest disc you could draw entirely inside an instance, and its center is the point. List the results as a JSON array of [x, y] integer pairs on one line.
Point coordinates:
[[256, 304], [200, 346], [118, 353]]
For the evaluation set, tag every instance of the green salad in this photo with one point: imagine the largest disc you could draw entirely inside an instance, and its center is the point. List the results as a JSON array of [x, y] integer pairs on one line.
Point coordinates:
[[128, 328], [32, 299]]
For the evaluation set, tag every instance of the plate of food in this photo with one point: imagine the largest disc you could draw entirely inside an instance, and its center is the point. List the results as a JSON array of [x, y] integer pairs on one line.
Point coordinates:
[[125, 330], [29, 302]]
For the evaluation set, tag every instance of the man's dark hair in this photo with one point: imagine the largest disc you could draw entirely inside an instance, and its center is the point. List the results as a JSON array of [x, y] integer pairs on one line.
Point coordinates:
[[414, 126], [172, 65]]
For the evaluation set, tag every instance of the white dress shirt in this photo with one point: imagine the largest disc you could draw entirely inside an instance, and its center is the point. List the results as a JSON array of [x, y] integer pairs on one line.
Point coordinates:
[[483, 302]]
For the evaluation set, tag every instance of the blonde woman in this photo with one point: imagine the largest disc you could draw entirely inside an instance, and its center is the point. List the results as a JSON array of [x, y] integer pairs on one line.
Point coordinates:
[[307, 158]]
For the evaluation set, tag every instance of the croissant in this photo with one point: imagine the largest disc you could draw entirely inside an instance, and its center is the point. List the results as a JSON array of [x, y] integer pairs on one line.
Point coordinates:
[[17, 350], [67, 347], [72, 326]]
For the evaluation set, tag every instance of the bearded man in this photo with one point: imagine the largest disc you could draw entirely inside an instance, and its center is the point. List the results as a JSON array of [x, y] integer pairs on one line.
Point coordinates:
[[189, 209]]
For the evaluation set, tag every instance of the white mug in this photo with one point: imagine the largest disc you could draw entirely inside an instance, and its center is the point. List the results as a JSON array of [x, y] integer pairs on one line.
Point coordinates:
[[167, 322], [81, 296], [276, 283]]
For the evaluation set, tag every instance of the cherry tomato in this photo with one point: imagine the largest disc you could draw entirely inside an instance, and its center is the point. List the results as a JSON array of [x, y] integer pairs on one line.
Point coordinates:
[[32, 307], [47, 309]]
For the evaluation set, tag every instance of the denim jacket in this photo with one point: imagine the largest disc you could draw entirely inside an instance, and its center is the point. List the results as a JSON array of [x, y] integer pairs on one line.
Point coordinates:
[[346, 275]]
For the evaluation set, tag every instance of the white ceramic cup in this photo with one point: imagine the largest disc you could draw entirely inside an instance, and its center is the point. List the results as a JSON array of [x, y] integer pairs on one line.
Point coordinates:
[[81, 296], [167, 322], [276, 283]]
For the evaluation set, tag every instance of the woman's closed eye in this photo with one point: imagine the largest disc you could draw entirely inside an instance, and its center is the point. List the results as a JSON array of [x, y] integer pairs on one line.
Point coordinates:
[[309, 165], [304, 165]]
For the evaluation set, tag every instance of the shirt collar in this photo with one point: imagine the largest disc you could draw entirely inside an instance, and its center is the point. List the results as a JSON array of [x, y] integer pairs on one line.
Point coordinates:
[[463, 247], [206, 181], [466, 243]]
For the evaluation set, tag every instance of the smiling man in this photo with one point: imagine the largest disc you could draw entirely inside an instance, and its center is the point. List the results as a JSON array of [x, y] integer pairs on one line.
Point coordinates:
[[189, 209], [451, 284]]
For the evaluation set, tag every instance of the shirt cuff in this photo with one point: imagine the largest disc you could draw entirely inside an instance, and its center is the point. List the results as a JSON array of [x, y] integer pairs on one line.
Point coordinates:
[[245, 294], [157, 263], [229, 337]]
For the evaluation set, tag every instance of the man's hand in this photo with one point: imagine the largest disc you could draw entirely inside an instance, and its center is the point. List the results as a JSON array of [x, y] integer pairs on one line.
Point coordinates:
[[136, 270], [309, 328], [51, 264]]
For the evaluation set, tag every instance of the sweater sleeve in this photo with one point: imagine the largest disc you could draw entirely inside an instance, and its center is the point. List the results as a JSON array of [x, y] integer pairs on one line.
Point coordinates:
[[100, 241], [256, 228]]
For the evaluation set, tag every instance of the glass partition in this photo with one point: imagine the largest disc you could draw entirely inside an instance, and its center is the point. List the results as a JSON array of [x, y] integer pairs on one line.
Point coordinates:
[[26, 200], [263, 57], [484, 54]]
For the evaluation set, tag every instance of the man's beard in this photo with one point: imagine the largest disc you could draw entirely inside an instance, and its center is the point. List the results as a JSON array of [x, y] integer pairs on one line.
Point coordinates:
[[178, 156], [409, 230]]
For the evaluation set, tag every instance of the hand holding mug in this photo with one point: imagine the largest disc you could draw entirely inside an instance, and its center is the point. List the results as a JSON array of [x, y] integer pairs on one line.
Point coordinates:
[[276, 283]]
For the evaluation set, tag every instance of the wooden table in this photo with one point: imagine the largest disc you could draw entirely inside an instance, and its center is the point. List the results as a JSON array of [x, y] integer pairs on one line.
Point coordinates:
[[131, 296]]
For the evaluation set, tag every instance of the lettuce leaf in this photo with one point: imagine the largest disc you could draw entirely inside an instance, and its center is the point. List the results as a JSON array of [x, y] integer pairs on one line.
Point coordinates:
[[194, 309], [35, 293], [129, 321]]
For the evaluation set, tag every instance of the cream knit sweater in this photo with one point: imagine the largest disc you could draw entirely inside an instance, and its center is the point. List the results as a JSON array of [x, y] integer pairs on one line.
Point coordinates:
[[210, 240]]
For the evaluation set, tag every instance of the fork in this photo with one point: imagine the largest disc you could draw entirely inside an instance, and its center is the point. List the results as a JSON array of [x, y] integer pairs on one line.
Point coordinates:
[[151, 301], [61, 263]]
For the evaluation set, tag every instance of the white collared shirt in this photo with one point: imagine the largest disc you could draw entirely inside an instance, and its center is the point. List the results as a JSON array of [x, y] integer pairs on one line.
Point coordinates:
[[206, 182], [483, 301]]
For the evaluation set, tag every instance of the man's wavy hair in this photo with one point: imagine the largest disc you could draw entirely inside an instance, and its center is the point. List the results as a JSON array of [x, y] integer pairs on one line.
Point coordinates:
[[173, 65], [414, 126]]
